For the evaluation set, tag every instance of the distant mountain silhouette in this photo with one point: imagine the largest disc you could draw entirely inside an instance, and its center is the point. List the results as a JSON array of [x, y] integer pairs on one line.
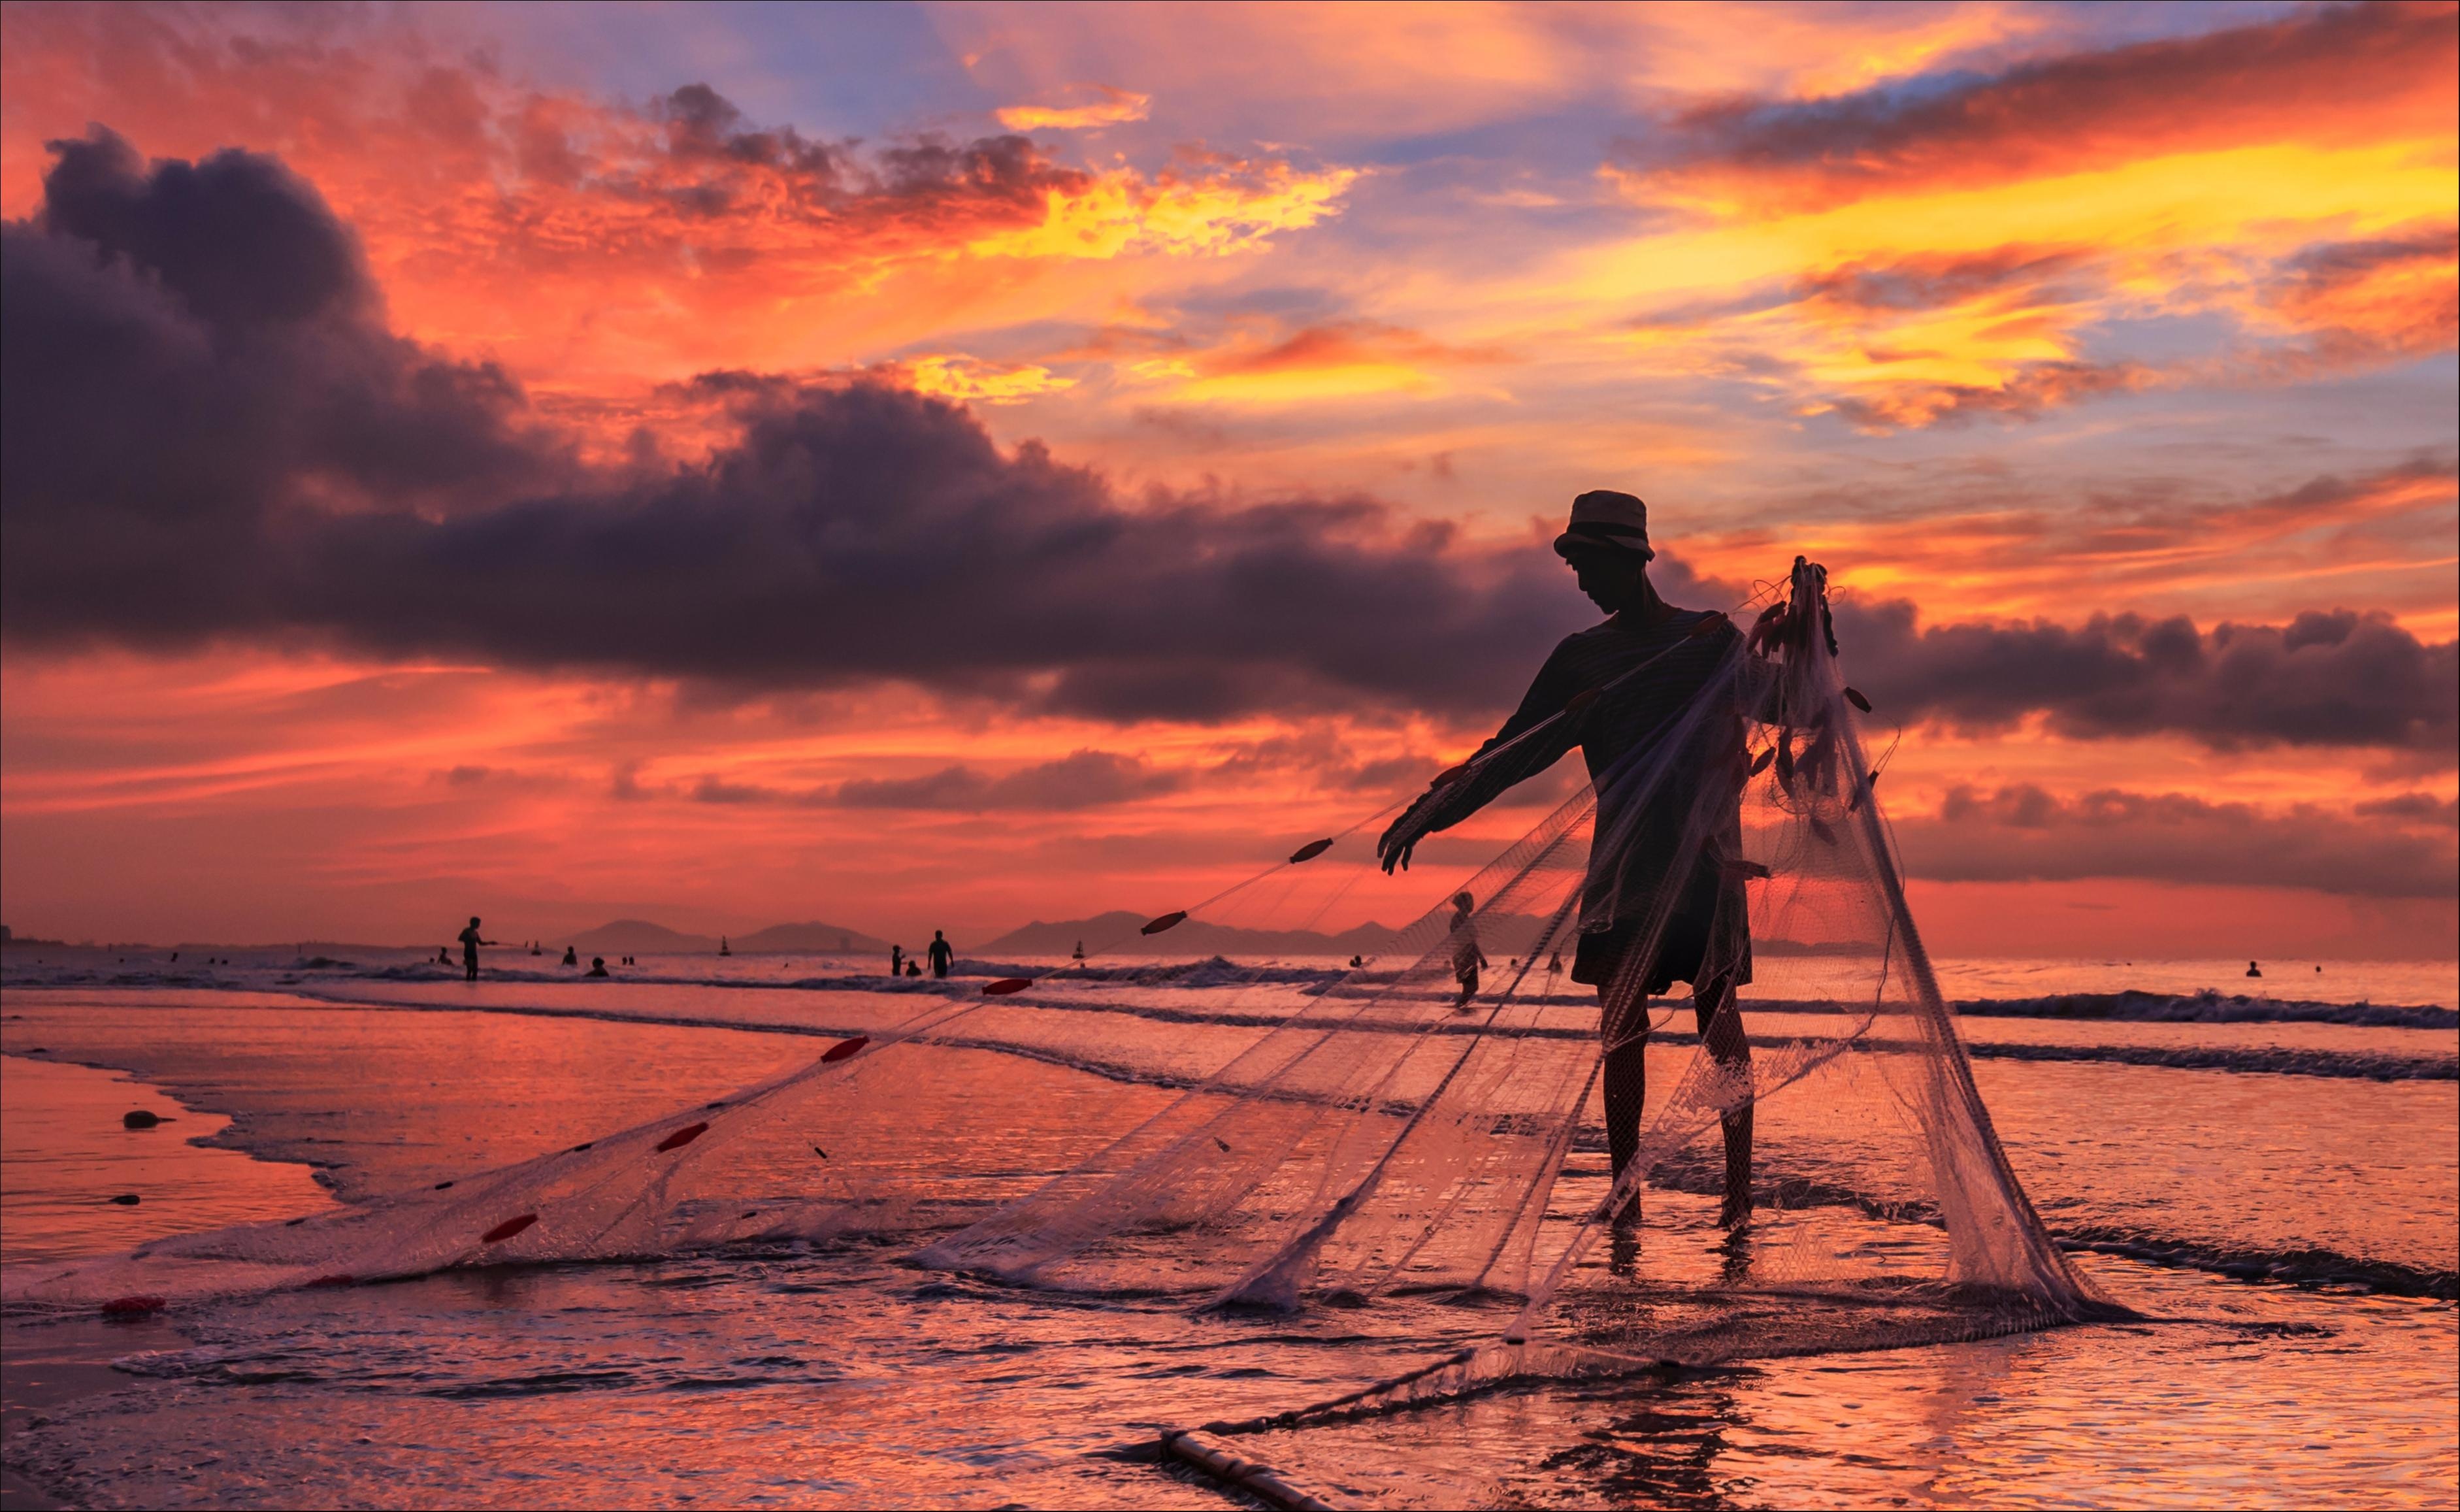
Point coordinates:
[[641, 937], [814, 936], [1117, 933]]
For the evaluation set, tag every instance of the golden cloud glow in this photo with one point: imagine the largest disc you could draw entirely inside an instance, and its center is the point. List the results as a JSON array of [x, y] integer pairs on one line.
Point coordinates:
[[1110, 107]]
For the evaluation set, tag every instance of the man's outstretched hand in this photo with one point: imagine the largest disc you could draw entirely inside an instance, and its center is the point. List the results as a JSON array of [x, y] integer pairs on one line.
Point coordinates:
[[1402, 837]]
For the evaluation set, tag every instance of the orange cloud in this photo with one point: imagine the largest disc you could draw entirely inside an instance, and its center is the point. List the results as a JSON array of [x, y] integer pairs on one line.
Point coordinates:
[[2333, 75], [1108, 107]]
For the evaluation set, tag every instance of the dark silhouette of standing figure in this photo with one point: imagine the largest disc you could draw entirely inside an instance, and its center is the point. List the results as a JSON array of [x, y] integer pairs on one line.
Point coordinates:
[[942, 952], [571, 956], [1467, 956], [469, 943], [897, 960], [1663, 658]]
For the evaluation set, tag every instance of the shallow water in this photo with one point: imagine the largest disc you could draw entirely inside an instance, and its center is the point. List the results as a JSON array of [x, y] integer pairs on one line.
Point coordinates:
[[845, 1378]]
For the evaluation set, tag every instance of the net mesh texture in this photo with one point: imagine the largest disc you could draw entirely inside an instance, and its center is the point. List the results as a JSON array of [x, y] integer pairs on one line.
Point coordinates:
[[1421, 1123]]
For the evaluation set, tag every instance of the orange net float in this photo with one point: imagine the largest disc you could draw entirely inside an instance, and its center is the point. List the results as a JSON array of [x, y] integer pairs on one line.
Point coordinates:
[[681, 1138], [1709, 624], [1316, 847], [1168, 920], [844, 1048], [1006, 985], [507, 1229]]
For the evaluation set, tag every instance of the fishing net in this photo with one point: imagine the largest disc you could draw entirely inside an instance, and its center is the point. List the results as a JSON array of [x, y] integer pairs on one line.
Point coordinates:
[[1791, 1158]]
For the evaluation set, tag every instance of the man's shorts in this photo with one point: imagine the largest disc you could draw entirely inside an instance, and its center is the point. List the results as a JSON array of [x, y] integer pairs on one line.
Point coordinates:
[[1683, 953]]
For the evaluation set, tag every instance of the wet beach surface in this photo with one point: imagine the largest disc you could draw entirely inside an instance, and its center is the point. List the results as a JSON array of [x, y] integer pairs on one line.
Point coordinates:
[[847, 1378]]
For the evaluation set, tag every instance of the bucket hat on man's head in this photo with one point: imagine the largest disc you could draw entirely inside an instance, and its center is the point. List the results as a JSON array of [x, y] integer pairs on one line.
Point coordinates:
[[1604, 518]]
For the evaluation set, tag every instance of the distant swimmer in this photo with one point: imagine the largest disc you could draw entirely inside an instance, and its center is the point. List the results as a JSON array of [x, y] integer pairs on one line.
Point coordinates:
[[469, 943], [1079, 957], [571, 956], [1357, 961], [943, 953], [1467, 957], [598, 966], [897, 960], [913, 968], [2252, 970]]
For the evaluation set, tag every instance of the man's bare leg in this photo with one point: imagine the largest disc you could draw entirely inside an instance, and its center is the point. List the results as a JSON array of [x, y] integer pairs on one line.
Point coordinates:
[[1721, 1032], [1624, 1025]]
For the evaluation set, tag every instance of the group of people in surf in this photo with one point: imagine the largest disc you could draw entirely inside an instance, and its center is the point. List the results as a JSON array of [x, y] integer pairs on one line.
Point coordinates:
[[939, 952]]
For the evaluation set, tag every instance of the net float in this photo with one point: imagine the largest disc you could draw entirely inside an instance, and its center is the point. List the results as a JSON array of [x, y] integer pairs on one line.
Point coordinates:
[[582, 1146], [440, 1186], [1006, 985], [134, 1307], [1171, 921], [1760, 762], [1853, 696], [682, 1137], [1450, 776], [507, 1229], [844, 1048], [1819, 827], [1317, 847]]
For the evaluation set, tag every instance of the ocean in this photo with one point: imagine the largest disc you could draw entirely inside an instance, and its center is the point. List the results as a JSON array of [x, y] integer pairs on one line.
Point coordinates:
[[2267, 1170]]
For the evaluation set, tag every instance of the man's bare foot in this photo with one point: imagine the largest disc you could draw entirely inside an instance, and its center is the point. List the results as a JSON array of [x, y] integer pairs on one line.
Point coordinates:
[[1736, 1213]]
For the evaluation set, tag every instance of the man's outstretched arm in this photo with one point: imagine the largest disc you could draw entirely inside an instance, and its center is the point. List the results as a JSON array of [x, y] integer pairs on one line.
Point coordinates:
[[1492, 769]]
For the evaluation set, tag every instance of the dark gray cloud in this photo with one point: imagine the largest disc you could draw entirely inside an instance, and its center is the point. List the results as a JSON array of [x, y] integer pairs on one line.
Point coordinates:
[[2025, 834], [2323, 679], [193, 453]]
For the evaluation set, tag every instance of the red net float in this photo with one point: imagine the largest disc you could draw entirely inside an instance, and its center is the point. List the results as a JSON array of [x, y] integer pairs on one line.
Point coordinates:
[[1006, 985], [1853, 696], [1317, 847], [507, 1229], [844, 1048], [1168, 920], [136, 1306], [682, 1137]]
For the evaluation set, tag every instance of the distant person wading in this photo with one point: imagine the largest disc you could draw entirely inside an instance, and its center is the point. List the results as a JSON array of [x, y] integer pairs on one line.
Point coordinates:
[[469, 943], [943, 954]]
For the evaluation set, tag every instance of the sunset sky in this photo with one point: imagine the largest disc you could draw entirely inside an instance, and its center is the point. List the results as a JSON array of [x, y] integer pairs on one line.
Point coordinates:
[[957, 465]]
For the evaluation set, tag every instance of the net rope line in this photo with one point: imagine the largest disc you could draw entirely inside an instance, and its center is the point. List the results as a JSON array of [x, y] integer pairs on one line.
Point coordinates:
[[1383, 1144]]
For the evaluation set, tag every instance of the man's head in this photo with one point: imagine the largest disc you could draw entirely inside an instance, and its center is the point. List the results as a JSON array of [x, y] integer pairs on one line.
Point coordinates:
[[1607, 543], [1464, 901], [473, 921]]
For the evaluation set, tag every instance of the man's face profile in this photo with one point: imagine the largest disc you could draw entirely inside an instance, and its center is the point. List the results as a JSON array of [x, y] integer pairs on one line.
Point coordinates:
[[1607, 576]]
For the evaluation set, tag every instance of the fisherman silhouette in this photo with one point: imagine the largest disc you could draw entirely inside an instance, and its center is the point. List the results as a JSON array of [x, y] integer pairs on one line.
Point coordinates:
[[1704, 938], [469, 943], [571, 956], [897, 960], [943, 953], [1467, 957], [598, 966]]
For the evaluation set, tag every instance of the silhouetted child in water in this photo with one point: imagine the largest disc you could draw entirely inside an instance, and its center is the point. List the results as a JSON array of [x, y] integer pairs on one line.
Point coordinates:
[[469, 943], [1467, 957], [913, 968], [897, 960], [571, 956], [598, 966]]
